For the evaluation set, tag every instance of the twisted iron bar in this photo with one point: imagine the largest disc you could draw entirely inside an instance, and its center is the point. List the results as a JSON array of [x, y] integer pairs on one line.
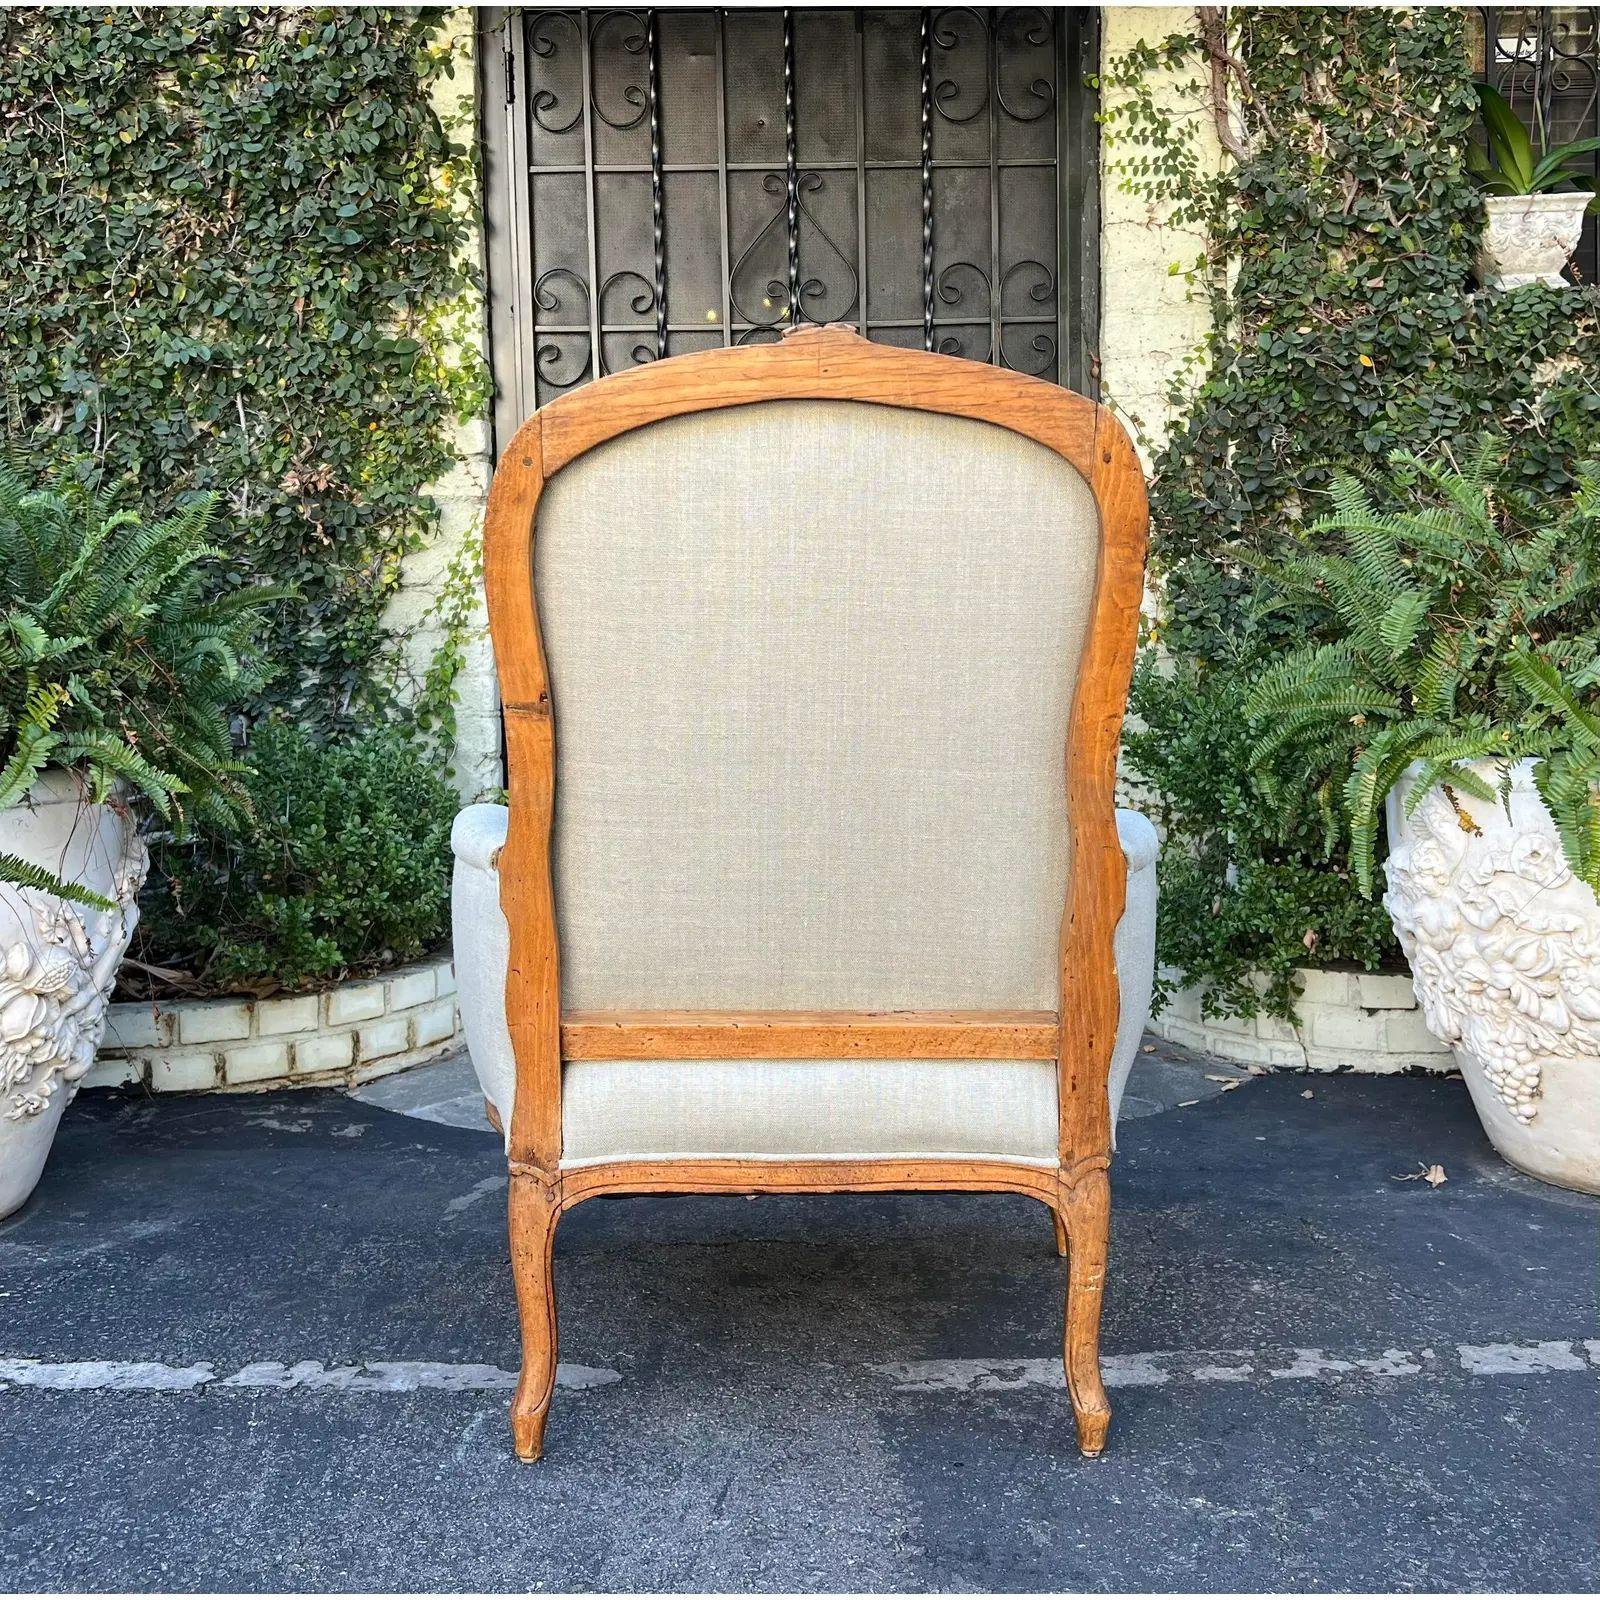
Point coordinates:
[[658, 223], [791, 167], [927, 180]]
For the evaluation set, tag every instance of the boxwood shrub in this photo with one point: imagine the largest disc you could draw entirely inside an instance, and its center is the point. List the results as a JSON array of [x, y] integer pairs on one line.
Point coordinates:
[[344, 869]]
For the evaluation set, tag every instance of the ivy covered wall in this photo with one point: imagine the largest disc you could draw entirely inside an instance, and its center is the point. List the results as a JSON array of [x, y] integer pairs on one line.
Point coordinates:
[[1336, 267], [234, 260]]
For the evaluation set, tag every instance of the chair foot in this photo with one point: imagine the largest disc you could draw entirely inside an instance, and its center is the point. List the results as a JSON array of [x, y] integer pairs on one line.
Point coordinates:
[[1087, 1208], [534, 1210], [527, 1433], [1092, 1427]]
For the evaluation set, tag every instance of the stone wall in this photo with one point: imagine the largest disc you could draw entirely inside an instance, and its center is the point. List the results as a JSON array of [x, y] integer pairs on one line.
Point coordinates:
[[1349, 1022], [345, 1035]]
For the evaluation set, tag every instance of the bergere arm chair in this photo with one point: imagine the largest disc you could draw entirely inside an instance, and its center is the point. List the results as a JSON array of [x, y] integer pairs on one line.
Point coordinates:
[[813, 658]]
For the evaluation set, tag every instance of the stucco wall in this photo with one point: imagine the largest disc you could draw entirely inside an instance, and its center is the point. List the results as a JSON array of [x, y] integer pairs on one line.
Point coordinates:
[[461, 495], [1150, 320]]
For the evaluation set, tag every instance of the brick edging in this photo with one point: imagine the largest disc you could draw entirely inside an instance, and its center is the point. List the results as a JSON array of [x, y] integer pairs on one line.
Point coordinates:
[[1349, 1021], [354, 1031]]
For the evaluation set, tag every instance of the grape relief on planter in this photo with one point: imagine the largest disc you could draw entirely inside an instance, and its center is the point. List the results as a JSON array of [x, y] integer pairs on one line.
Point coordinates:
[[1503, 941], [55, 983]]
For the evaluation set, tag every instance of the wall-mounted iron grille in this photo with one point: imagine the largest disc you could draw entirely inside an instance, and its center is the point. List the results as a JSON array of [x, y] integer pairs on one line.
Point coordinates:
[[1546, 61], [667, 181]]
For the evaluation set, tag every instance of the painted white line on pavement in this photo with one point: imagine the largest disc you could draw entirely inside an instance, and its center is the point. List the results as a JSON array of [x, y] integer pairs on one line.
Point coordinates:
[[983, 1375], [368, 1377], [1243, 1366]]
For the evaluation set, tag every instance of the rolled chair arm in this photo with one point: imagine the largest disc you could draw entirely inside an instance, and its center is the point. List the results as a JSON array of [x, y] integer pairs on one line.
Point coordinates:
[[1135, 947], [479, 834], [483, 950]]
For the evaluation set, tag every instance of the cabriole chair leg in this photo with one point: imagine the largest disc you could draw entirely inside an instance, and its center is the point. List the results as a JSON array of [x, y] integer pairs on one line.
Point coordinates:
[[534, 1210], [1061, 1230], [1088, 1216]]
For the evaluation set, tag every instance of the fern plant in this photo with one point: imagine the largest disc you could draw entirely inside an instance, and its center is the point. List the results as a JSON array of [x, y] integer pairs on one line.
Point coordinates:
[[1466, 623], [116, 660]]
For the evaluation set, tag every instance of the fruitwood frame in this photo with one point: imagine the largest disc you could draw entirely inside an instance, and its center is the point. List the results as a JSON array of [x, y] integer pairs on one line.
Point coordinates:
[[816, 363]]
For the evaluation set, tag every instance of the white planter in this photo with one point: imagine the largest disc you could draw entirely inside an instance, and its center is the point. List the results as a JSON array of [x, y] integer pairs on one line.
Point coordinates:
[[1504, 946], [58, 960], [1529, 238]]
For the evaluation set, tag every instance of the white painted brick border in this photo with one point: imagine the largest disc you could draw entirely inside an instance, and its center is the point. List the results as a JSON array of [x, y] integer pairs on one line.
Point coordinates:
[[354, 1032], [1349, 1021]]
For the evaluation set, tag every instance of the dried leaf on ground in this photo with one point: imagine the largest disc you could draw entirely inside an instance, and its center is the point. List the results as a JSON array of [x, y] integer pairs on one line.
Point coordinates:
[[1432, 1175]]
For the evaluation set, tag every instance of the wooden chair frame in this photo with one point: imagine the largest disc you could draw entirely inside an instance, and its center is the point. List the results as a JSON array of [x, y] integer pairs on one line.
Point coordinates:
[[815, 363]]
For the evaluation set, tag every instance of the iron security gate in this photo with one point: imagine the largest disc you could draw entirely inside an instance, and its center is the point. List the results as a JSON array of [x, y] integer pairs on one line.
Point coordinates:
[[666, 181], [1546, 61]]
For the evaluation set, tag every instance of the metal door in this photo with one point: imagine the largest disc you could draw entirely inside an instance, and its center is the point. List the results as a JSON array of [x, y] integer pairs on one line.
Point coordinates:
[[666, 181]]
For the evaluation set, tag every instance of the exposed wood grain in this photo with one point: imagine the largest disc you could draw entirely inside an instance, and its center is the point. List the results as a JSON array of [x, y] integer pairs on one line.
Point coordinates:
[[1097, 875], [796, 1176], [822, 364], [527, 895], [535, 1208], [809, 1035], [819, 363], [1087, 1205]]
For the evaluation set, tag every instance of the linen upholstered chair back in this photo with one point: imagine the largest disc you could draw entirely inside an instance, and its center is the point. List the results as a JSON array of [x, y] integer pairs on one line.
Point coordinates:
[[811, 664]]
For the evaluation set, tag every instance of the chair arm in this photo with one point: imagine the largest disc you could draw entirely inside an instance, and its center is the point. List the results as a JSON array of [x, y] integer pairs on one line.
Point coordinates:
[[1135, 947], [483, 952], [478, 835]]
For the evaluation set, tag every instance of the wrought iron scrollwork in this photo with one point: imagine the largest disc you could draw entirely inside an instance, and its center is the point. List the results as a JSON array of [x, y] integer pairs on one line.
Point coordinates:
[[1043, 293], [635, 95], [543, 44], [644, 298], [546, 298], [1040, 90], [809, 292], [814, 289], [954, 294], [946, 35], [549, 355], [786, 258], [777, 300], [950, 290]]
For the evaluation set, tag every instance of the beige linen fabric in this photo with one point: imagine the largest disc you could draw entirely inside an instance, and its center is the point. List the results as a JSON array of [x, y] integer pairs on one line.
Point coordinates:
[[811, 666], [614, 1110]]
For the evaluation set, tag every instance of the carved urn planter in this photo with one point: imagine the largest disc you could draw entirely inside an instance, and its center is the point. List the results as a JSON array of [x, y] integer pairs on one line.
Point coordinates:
[[1504, 946], [1529, 238], [58, 960]]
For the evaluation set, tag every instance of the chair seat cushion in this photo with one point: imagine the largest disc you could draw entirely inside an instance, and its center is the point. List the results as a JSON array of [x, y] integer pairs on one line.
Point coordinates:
[[615, 1110]]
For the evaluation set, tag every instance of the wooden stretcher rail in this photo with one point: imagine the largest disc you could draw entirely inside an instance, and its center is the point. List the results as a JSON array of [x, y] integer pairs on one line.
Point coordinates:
[[810, 1035]]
